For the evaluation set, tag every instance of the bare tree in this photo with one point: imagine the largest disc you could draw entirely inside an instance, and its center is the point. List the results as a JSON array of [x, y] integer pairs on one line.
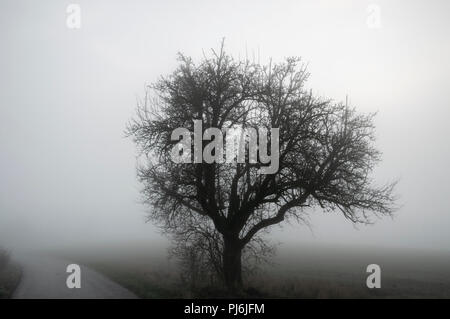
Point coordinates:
[[326, 155], [199, 248]]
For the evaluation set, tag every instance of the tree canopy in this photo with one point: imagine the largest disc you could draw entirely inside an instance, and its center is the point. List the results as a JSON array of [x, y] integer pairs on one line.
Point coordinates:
[[326, 155]]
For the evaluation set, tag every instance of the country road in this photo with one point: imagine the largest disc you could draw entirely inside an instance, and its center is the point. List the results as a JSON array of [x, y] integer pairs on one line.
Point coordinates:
[[45, 277]]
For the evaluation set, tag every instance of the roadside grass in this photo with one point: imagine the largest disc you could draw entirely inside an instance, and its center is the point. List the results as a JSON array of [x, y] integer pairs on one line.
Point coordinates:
[[10, 274], [160, 284], [313, 273]]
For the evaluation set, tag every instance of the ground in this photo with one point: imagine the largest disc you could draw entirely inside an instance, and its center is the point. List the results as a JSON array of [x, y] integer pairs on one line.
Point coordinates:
[[45, 276], [302, 271], [10, 275]]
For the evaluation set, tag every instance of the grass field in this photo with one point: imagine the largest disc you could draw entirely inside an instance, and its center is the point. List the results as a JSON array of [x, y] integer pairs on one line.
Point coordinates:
[[9, 275], [296, 272]]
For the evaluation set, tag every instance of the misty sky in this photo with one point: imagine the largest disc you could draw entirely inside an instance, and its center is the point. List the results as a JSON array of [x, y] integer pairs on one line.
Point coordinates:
[[68, 174]]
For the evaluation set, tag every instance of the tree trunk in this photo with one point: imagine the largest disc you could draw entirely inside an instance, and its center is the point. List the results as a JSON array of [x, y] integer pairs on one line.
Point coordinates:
[[232, 267]]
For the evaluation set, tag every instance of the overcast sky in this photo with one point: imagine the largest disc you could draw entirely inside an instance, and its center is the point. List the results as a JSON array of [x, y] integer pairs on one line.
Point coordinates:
[[67, 174]]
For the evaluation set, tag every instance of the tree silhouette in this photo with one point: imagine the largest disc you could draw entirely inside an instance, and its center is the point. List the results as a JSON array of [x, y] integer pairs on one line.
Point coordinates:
[[326, 155]]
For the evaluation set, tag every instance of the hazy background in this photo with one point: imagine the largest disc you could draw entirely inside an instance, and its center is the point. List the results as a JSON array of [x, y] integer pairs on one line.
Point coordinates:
[[67, 174]]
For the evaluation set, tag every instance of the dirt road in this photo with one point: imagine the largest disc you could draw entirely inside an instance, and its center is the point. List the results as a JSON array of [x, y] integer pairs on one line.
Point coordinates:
[[45, 277]]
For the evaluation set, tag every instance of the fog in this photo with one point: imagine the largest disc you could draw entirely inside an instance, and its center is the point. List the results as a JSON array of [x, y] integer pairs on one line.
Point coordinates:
[[68, 174]]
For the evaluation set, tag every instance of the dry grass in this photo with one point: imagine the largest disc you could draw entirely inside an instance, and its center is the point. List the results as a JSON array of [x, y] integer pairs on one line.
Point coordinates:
[[305, 272], [10, 274]]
